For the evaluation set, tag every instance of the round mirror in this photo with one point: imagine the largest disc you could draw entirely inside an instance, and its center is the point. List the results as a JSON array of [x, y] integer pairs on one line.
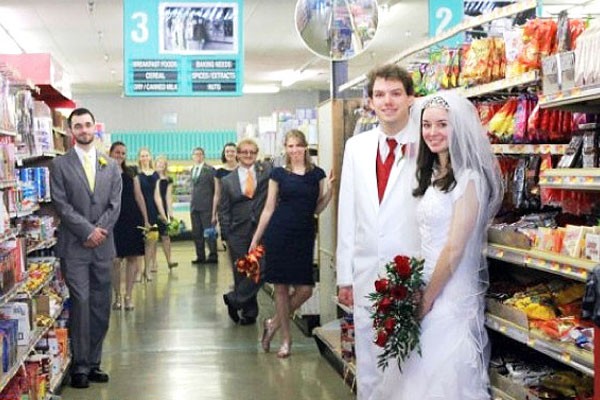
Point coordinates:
[[336, 29]]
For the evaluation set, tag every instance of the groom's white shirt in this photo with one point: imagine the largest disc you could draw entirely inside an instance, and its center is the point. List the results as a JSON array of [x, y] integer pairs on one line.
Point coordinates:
[[371, 234]]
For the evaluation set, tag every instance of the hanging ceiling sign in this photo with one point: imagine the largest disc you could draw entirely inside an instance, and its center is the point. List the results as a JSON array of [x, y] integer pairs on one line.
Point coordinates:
[[189, 48], [443, 15]]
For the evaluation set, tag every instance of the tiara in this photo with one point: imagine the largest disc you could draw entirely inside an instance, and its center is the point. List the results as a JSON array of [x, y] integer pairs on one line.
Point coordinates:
[[437, 101]]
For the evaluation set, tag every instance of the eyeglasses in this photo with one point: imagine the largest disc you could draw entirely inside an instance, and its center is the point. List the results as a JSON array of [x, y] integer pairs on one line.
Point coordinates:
[[248, 152]]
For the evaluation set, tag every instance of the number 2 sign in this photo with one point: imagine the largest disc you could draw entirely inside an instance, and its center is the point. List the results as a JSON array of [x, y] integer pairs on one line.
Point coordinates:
[[444, 14]]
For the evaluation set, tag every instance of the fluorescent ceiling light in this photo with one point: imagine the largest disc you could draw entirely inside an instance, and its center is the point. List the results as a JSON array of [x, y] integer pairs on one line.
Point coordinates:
[[258, 89]]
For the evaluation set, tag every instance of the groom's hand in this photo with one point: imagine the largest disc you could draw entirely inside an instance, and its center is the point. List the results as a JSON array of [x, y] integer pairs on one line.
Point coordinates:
[[96, 238], [345, 296]]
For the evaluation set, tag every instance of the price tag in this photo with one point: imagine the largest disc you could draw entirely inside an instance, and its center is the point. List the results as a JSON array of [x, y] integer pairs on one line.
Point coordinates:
[[531, 342], [502, 329], [589, 180], [567, 269], [555, 266], [572, 179], [566, 357], [575, 91]]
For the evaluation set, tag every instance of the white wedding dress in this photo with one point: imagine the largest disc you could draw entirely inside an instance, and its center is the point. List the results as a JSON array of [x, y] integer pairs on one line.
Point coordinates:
[[454, 342]]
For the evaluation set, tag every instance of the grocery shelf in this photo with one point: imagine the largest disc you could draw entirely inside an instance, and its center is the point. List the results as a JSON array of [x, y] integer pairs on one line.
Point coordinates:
[[529, 148], [7, 132], [470, 23], [25, 350], [57, 380], [567, 354], [8, 296], [329, 344], [35, 157], [59, 131], [571, 178], [569, 267], [8, 234], [8, 184], [526, 79], [583, 99], [45, 244], [24, 213]]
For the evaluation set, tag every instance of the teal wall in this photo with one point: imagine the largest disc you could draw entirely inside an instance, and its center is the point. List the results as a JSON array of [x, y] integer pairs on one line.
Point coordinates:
[[174, 145]]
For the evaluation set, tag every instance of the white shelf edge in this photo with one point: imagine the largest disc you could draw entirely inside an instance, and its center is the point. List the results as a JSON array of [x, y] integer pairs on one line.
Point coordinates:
[[558, 264], [514, 148], [570, 96], [6, 132]]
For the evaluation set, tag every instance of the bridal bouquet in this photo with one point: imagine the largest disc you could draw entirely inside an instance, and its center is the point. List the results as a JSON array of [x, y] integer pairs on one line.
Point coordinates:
[[395, 309], [249, 264]]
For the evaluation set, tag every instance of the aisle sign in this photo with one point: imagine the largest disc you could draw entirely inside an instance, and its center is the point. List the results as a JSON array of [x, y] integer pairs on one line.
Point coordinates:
[[183, 48], [443, 15]]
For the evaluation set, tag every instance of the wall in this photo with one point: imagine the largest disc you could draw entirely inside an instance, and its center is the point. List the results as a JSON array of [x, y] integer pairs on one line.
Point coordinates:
[[193, 114]]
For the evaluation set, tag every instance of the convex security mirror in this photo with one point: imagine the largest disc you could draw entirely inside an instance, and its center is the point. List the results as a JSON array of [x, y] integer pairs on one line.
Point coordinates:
[[336, 29]]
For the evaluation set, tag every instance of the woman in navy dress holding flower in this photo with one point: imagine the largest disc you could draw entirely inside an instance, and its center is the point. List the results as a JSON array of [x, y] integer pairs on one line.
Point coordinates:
[[297, 191]]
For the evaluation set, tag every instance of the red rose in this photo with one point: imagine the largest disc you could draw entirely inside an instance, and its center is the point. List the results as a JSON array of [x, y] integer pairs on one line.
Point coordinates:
[[399, 292], [382, 285], [384, 304], [402, 266], [389, 324], [382, 338]]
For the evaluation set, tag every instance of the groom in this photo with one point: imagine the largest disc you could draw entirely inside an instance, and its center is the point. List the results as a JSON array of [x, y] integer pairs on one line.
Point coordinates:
[[86, 194], [376, 215]]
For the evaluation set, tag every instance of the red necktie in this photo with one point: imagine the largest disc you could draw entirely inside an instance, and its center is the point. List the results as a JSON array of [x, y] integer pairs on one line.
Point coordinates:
[[383, 168]]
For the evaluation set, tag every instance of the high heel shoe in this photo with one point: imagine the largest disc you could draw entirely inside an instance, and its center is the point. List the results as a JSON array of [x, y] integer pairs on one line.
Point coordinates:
[[173, 265], [146, 278], [117, 305], [128, 304], [285, 350], [267, 336]]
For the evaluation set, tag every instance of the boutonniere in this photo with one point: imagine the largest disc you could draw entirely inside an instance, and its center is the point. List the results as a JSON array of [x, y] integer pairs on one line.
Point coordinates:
[[102, 161]]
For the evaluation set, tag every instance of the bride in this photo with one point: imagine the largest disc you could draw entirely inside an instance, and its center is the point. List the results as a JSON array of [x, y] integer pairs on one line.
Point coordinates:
[[460, 188]]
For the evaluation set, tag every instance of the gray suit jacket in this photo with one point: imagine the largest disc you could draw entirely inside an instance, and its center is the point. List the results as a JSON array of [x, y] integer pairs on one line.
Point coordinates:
[[80, 210], [238, 214], [203, 190]]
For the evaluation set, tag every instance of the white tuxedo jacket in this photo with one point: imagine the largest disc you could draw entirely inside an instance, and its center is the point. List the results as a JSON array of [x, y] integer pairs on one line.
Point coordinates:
[[371, 234]]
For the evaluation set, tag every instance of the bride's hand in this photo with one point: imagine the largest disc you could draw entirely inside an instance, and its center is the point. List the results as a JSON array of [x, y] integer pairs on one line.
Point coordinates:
[[425, 305]]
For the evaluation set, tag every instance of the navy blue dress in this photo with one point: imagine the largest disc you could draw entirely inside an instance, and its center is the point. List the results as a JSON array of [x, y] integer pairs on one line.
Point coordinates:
[[289, 239], [148, 184], [129, 239]]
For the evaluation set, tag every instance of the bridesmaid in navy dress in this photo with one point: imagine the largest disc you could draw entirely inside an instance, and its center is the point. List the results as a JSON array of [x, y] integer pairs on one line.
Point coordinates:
[[297, 191], [148, 178]]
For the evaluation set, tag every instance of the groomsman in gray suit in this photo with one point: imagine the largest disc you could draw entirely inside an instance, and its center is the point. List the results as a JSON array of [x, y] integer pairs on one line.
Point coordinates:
[[203, 215], [86, 194], [243, 196]]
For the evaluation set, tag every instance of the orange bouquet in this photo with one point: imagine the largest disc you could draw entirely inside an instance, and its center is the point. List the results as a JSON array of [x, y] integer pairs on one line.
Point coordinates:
[[249, 264]]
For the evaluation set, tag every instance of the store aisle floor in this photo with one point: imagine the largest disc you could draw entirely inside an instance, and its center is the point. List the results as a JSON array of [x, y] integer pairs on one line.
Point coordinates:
[[180, 344]]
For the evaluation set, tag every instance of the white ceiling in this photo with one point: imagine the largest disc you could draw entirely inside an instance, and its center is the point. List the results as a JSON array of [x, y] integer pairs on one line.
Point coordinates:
[[70, 32], [89, 44]]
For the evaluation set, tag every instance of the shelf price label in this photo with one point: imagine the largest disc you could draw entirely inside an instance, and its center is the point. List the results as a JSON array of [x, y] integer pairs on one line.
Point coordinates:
[[185, 48]]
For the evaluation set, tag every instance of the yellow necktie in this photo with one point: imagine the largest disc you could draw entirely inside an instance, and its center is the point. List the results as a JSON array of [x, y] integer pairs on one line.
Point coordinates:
[[89, 171], [249, 189]]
